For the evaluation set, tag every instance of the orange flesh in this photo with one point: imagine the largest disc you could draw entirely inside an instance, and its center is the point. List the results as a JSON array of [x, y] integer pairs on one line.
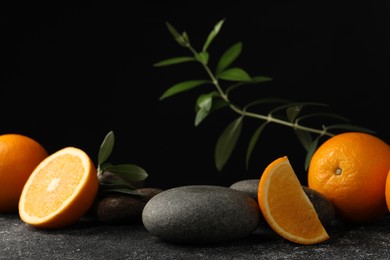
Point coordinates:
[[286, 207], [52, 188]]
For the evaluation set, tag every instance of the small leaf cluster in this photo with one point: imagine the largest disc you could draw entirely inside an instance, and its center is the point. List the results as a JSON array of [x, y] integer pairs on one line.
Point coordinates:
[[286, 113], [116, 178]]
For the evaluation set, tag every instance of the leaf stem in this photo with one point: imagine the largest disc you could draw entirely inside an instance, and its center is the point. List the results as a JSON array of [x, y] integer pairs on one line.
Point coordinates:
[[206, 103], [269, 118], [213, 78]]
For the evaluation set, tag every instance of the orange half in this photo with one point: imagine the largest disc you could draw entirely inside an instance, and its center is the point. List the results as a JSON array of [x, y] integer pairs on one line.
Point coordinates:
[[286, 207], [60, 190]]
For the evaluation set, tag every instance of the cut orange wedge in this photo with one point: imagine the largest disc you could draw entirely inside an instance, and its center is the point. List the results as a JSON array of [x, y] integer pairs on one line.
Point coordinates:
[[286, 207], [60, 190]]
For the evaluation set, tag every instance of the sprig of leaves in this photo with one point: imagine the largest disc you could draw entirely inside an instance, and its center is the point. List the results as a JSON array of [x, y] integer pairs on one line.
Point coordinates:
[[284, 113], [118, 178]]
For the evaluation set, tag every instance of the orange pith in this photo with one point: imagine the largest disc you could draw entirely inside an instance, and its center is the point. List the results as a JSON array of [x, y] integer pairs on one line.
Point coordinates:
[[60, 190], [286, 207]]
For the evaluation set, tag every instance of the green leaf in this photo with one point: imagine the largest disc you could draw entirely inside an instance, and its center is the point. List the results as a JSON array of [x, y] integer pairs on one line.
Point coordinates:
[[227, 142], [201, 115], [181, 87], [202, 57], [292, 112], [204, 104], [116, 182], [123, 190], [185, 37], [310, 151], [321, 115], [229, 57], [172, 30], [128, 172], [118, 188], [173, 61], [305, 138], [182, 40], [212, 34], [234, 74], [350, 128], [302, 104], [253, 141], [218, 103], [106, 147], [260, 79]]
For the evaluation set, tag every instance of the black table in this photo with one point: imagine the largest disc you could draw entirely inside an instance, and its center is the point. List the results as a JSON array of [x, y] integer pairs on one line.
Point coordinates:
[[91, 240]]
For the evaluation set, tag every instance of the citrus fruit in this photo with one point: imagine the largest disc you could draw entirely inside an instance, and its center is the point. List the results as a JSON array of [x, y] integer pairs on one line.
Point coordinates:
[[350, 170], [387, 191], [19, 155], [286, 207], [60, 191]]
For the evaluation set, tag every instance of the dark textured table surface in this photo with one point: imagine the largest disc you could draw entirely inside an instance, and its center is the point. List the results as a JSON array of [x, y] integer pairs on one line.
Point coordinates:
[[91, 240]]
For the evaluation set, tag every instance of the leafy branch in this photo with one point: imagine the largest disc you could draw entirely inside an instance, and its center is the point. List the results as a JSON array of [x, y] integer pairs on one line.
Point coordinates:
[[118, 178], [236, 77]]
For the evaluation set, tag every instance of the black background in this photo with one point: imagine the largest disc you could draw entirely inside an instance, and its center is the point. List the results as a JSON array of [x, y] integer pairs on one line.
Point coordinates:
[[71, 72]]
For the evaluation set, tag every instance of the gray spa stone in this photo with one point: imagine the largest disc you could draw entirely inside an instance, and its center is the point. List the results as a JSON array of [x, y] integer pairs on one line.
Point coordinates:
[[248, 186], [201, 214]]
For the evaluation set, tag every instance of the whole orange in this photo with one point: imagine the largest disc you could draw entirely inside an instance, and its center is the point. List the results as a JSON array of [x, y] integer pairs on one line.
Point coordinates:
[[19, 155], [350, 169], [387, 190]]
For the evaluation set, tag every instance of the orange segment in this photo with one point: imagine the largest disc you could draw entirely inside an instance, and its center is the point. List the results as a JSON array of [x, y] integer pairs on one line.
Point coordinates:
[[60, 190], [286, 207]]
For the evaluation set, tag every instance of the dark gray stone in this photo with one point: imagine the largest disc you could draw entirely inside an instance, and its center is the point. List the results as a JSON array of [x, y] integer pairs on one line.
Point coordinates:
[[119, 208], [201, 214], [324, 208], [248, 186]]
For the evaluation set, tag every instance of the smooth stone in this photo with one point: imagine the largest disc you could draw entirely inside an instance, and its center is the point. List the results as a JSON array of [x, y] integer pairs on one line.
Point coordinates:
[[323, 206], [120, 208], [248, 186], [201, 214]]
